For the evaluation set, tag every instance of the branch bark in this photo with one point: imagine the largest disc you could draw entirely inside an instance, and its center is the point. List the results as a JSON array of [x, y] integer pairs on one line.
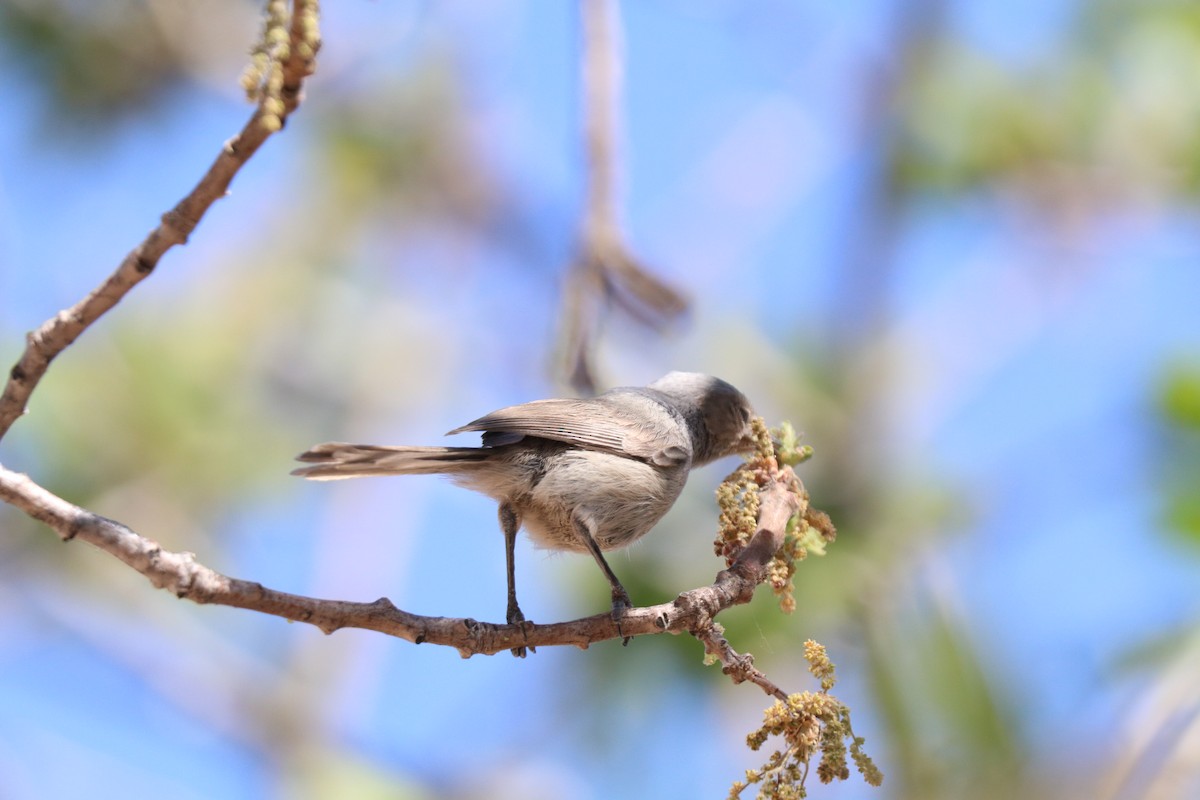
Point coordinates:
[[179, 573], [60, 331]]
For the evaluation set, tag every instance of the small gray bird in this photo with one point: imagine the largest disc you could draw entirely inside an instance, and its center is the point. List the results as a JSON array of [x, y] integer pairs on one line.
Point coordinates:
[[581, 475]]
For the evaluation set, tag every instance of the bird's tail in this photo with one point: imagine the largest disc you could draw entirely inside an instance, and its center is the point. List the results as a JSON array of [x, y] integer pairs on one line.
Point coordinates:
[[336, 460]]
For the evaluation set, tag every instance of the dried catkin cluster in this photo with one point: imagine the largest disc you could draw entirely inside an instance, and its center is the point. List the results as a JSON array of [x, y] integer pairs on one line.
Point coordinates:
[[263, 77], [808, 723], [808, 531]]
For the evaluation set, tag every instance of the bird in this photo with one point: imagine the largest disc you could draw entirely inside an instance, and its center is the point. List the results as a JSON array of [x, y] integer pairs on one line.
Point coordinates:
[[579, 475]]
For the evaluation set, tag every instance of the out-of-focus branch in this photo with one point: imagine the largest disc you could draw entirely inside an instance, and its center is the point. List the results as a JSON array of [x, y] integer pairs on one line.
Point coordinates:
[[604, 269], [180, 573], [601, 89], [60, 331]]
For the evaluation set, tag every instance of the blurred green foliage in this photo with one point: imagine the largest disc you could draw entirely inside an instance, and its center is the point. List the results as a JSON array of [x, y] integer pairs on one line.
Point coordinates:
[[1181, 398], [94, 60], [99, 66], [1179, 401], [1115, 110]]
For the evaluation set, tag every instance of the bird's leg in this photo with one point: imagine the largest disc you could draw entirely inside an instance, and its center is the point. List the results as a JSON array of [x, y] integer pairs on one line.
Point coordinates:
[[620, 597], [510, 523]]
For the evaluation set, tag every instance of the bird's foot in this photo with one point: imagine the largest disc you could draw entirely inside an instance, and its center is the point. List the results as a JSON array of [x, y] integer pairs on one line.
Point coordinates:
[[515, 617], [620, 604]]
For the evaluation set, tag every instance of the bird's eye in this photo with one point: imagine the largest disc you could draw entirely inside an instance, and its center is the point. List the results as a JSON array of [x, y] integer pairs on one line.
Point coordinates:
[[745, 412]]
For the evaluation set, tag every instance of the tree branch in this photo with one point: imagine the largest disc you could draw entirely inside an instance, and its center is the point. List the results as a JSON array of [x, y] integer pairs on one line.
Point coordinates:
[[60, 331], [736, 665], [179, 573]]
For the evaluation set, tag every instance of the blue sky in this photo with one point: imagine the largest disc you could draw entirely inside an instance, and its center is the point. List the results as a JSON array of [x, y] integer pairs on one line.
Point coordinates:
[[1027, 385]]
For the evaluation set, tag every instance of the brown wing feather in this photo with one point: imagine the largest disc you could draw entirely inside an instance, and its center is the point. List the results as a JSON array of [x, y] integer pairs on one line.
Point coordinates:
[[598, 424]]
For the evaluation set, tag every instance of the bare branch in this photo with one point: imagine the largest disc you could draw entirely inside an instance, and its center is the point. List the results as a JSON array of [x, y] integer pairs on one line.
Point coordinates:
[[605, 270], [736, 665], [60, 331], [180, 573]]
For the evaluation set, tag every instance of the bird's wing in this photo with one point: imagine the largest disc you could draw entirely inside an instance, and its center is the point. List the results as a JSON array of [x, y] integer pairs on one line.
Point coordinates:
[[630, 426]]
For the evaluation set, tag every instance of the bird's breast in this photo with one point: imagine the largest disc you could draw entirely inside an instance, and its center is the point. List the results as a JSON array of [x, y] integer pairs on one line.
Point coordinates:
[[621, 499]]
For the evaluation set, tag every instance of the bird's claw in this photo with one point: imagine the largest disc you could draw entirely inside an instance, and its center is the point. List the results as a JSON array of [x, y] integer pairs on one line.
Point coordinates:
[[620, 604], [515, 617]]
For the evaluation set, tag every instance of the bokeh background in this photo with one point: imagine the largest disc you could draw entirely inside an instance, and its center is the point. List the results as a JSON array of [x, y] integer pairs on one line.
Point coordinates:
[[954, 242]]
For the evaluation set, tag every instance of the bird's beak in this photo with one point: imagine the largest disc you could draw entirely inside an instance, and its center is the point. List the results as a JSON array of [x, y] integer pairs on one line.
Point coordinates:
[[747, 444]]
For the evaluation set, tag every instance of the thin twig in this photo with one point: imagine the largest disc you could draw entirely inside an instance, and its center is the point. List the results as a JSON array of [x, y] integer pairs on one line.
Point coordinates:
[[60, 331], [778, 502], [736, 665], [183, 576]]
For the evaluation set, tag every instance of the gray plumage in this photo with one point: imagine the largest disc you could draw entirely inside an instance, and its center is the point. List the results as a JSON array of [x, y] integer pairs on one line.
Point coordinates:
[[580, 475]]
